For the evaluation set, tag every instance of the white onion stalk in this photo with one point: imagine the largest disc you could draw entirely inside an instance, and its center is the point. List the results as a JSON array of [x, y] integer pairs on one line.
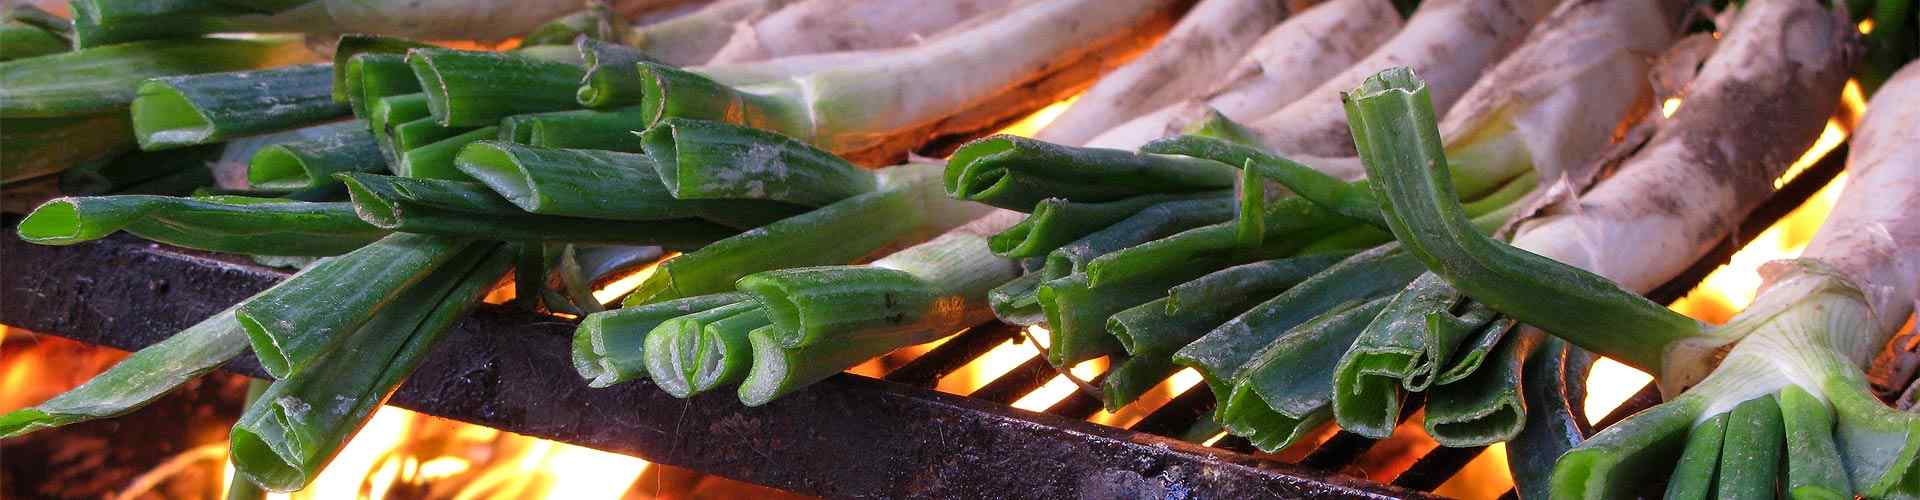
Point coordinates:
[[1817, 323], [1290, 60], [1450, 43], [1205, 43], [695, 37], [816, 26], [101, 22], [960, 81]]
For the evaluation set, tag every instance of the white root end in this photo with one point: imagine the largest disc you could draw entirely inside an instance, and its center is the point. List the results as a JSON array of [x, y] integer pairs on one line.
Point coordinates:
[[815, 26]]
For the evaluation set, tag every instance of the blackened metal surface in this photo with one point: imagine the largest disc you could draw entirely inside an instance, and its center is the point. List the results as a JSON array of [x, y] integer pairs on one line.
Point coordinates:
[[848, 436]]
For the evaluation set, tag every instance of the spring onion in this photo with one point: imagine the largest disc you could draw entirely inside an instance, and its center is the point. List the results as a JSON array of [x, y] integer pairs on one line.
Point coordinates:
[[104, 79], [1015, 173], [178, 111], [813, 26], [221, 223], [470, 210], [306, 164], [472, 89], [610, 347]]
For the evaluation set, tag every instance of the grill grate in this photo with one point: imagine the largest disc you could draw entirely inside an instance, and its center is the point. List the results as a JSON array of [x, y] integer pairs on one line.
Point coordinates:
[[848, 436]]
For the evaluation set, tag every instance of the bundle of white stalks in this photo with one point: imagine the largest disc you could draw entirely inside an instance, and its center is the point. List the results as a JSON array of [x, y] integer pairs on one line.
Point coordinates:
[[1293, 58], [1207, 41], [965, 79], [816, 26], [694, 37], [481, 20], [1450, 43]]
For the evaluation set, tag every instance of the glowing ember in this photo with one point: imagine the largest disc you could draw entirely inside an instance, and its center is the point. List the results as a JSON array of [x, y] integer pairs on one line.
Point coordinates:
[[1026, 127], [1671, 105]]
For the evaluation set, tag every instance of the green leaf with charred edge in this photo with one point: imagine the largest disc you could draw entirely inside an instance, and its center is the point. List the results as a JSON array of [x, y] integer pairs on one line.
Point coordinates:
[[220, 224], [1750, 458], [1393, 124], [1015, 173], [833, 303], [695, 353], [1291, 379], [178, 111], [474, 89], [1017, 302], [140, 170], [350, 47], [103, 80], [702, 160], [834, 234], [610, 346], [435, 161], [40, 146], [306, 164], [288, 436], [611, 79], [1193, 308], [1222, 352], [289, 334], [1693, 477], [1056, 222], [1132, 377], [598, 184], [470, 210], [1487, 407], [1555, 384], [611, 130], [1158, 221], [1630, 453], [1814, 466]]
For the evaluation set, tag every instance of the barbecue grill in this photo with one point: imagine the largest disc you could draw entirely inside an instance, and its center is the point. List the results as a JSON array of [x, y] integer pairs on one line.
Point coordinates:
[[850, 436]]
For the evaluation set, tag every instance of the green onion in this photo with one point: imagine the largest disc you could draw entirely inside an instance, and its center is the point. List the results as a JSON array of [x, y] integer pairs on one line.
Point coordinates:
[[1158, 221], [137, 380], [1486, 407], [1191, 309], [668, 92], [470, 210], [289, 334], [596, 22], [374, 76], [99, 23], [701, 159], [1285, 390], [1056, 222], [1814, 466], [1751, 454], [697, 352], [611, 130], [1222, 352], [436, 160], [597, 184], [286, 437], [473, 89], [1133, 377], [1393, 108], [222, 224], [1017, 302], [347, 73], [1694, 476], [20, 40], [834, 234], [103, 80], [178, 111], [1015, 173], [1555, 384], [610, 347], [1404, 351], [306, 164], [611, 79], [41, 146], [694, 38]]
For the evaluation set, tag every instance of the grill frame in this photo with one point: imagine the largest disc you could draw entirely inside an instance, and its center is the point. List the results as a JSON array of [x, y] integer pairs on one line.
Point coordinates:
[[848, 436]]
